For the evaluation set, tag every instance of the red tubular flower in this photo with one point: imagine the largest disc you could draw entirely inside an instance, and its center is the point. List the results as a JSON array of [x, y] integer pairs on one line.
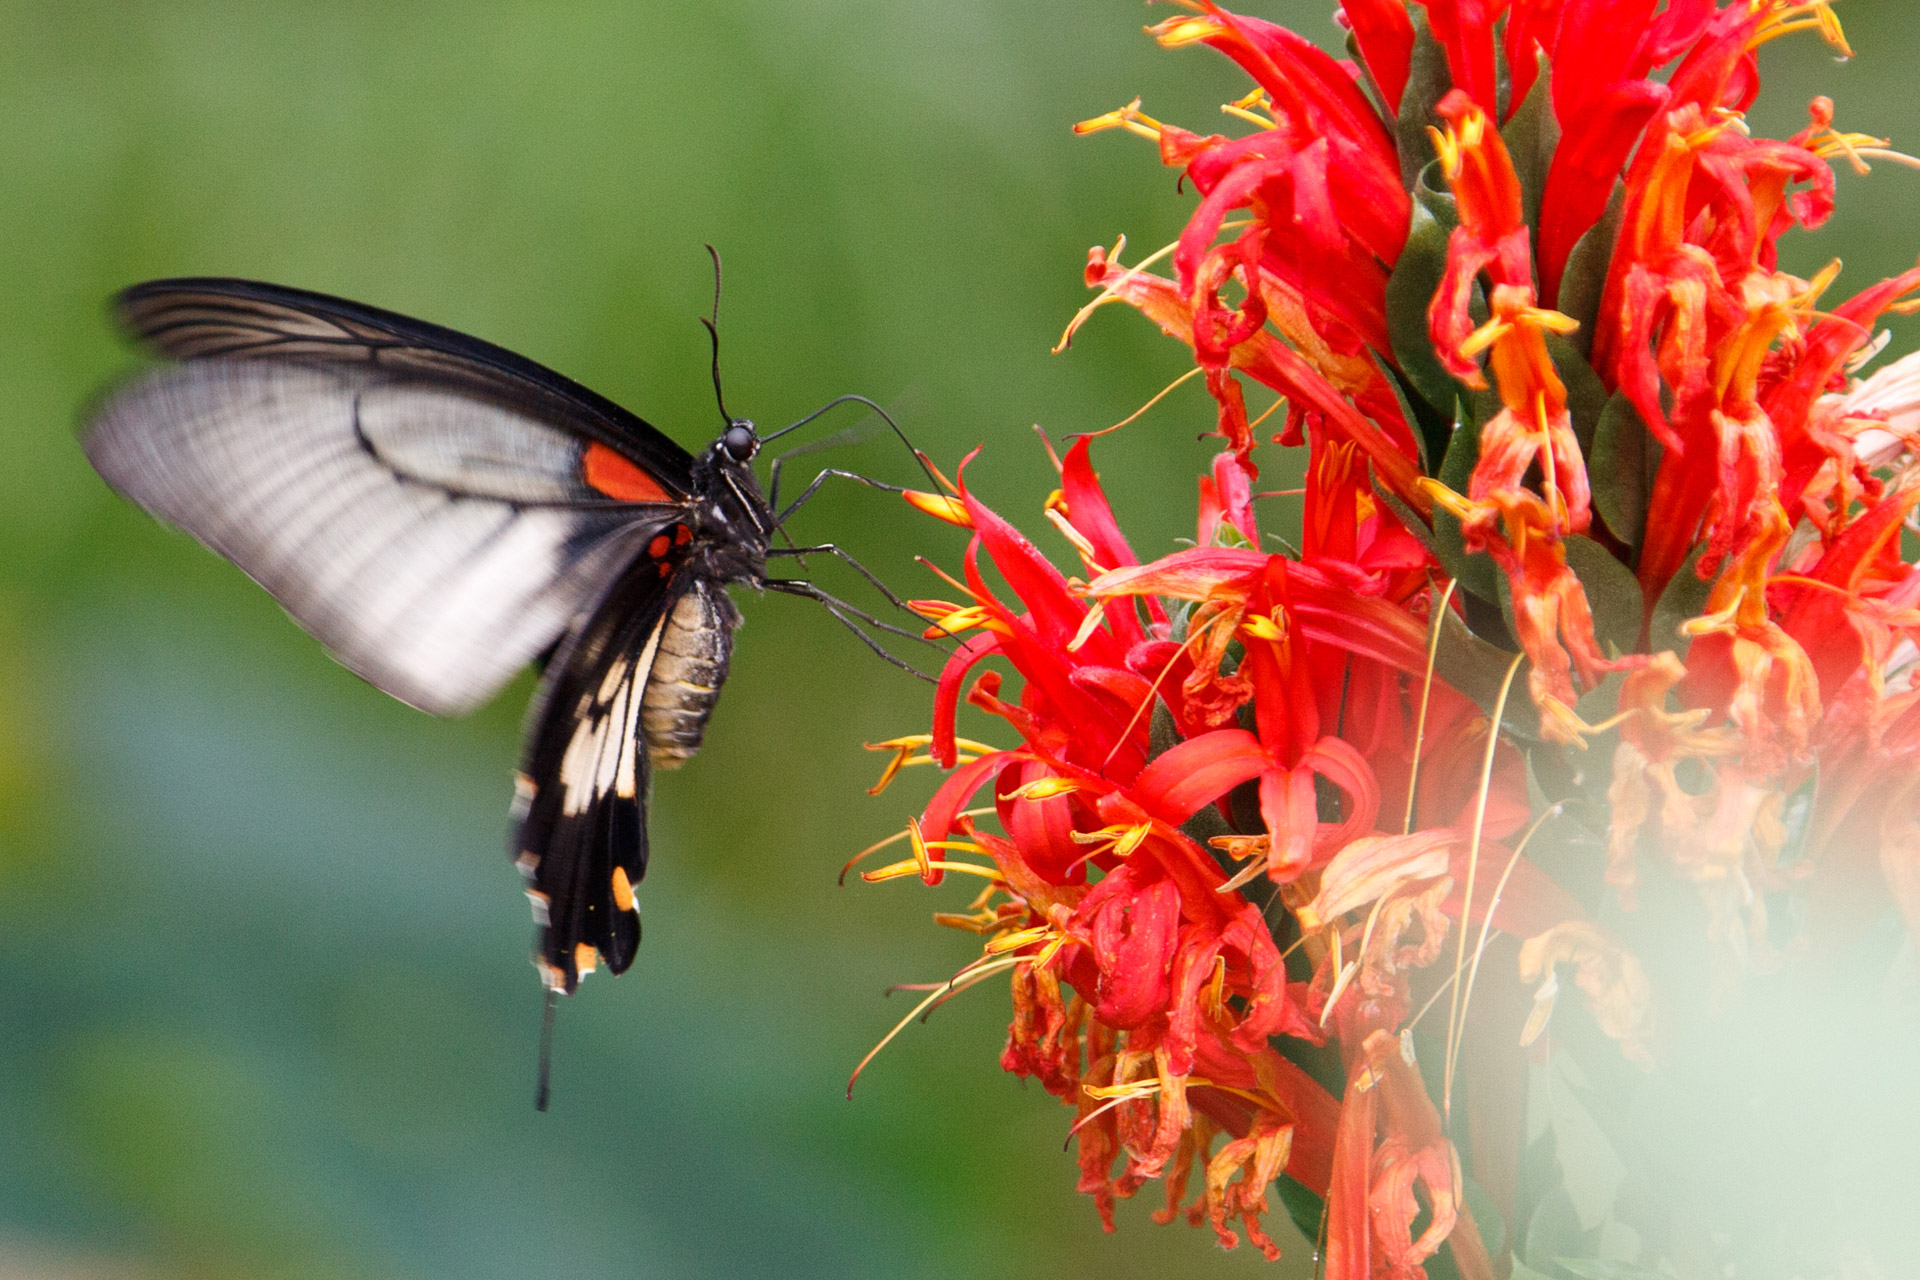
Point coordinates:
[[1686, 523]]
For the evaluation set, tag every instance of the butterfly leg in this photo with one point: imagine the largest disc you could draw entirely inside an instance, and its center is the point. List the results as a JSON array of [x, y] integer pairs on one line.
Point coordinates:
[[830, 549], [806, 495], [846, 615]]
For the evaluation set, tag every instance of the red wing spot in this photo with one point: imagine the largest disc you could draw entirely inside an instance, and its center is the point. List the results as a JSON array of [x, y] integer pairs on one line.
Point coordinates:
[[682, 535], [666, 570], [620, 479], [659, 547]]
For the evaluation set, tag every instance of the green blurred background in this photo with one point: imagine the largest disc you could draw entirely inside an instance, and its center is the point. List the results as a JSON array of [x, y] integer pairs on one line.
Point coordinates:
[[265, 1006]]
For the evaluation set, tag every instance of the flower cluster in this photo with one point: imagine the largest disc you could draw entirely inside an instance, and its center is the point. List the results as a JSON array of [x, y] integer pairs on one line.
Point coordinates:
[[1514, 278]]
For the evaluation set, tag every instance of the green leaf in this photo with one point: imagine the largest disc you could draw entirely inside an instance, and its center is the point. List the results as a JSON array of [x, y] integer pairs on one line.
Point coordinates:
[[1427, 82], [1585, 276], [1613, 593], [1622, 465], [1608, 1269], [1532, 134], [1586, 395], [1477, 573], [1476, 668], [1410, 289], [1685, 597], [1302, 1205], [1431, 428], [1407, 515]]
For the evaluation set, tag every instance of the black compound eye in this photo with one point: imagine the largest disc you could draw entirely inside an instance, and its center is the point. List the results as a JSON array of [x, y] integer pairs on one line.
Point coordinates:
[[740, 442]]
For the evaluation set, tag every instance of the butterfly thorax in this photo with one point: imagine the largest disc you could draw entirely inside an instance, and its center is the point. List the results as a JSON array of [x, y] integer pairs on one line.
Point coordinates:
[[731, 525], [727, 543]]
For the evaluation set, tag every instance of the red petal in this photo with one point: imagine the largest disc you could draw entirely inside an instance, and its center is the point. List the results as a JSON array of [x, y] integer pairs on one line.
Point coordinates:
[[1192, 774], [946, 696]]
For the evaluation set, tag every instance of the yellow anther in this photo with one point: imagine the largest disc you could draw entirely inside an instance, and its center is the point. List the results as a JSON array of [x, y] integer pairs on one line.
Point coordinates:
[[1245, 109], [1454, 504], [1043, 789], [940, 507], [1787, 18], [913, 867], [1117, 840], [1262, 627], [905, 750], [1129, 117], [1215, 999], [1185, 30], [1088, 625], [1807, 297], [964, 618], [1081, 544], [1019, 938]]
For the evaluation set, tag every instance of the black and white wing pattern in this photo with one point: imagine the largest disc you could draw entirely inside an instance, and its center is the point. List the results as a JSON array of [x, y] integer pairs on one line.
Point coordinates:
[[437, 511], [580, 798]]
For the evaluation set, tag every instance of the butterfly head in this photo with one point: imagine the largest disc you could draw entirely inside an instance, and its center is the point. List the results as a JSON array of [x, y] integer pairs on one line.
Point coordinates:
[[739, 442]]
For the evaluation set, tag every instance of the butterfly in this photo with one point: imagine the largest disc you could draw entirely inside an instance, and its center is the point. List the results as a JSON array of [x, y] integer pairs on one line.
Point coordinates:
[[440, 512]]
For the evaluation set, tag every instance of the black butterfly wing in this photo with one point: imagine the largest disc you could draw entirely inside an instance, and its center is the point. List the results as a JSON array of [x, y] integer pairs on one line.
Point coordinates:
[[581, 794], [435, 510]]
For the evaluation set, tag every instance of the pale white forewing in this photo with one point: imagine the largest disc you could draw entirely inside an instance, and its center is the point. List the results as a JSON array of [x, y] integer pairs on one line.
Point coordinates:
[[433, 540]]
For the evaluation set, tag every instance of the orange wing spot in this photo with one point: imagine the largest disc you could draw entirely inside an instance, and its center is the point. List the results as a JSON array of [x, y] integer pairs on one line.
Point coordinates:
[[659, 547], [682, 535], [622, 889], [666, 570], [607, 472], [585, 958]]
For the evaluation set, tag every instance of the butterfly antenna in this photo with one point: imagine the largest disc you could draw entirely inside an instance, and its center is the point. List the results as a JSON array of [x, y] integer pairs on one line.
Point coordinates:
[[543, 1091], [932, 481], [713, 331]]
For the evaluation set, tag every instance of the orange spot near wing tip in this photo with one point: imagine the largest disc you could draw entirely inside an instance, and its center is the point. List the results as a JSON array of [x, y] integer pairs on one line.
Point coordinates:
[[586, 958], [619, 478], [622, 889]]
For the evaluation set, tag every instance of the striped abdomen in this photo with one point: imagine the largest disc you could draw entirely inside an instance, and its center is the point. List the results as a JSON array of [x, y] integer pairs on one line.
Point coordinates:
[[691, 665]]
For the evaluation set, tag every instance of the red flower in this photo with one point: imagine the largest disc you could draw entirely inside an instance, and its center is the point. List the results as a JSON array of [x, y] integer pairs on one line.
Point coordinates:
[[1665, 500]]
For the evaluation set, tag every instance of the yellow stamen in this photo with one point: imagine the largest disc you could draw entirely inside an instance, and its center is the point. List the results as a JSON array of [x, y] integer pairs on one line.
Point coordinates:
[[1473, 866], [904, 748], [1162, 394], [915, 867], [1120, 841], [967, 977], [1807, 297], [1556, 502], [1088, 625], [1215, 997], [1175, 32], [1486, 921], [1262, 627], [958, 619], [1020, 938], [940, 507], [1244, 109], [1043, 789], [1129, 117], [1815, 15], [1056, 515], [1426, 693], [1499, 327]]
